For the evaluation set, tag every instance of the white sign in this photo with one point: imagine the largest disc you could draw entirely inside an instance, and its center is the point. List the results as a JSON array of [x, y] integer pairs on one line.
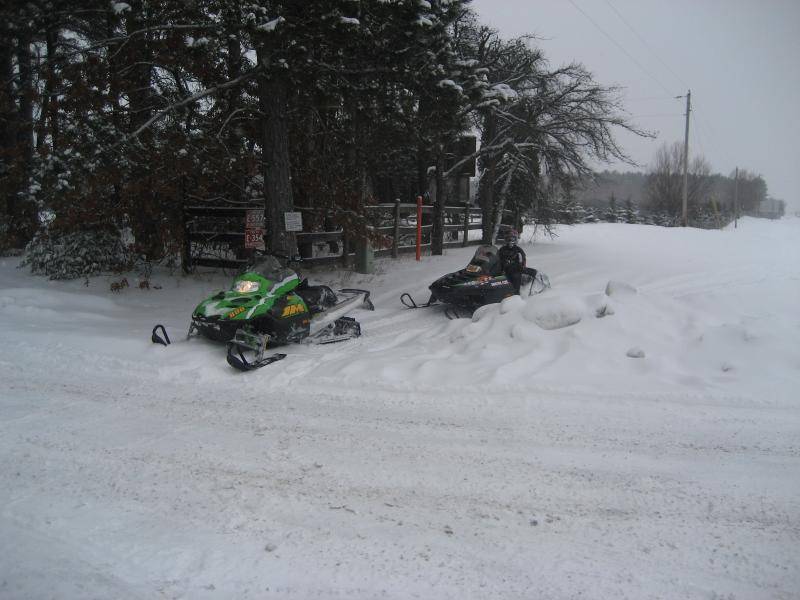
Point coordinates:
[[293, 221]]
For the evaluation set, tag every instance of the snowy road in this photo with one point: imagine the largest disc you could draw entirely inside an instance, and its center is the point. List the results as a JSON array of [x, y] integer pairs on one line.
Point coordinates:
[[504, 457]]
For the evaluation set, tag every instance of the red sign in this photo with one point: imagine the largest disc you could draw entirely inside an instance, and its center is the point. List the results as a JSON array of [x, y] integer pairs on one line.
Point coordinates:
[[254, 228], [254, 238]]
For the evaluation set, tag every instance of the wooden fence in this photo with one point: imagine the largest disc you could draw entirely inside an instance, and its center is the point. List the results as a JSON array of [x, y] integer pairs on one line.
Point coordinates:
[[214, 235]]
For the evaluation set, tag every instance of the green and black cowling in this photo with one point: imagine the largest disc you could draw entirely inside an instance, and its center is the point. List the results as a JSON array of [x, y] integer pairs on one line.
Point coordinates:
[[262, 300], [481, 282], [267, 305]]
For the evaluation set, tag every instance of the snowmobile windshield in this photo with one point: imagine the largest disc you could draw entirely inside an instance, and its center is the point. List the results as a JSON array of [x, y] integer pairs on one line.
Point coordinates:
[[270, 268], [485, 261]]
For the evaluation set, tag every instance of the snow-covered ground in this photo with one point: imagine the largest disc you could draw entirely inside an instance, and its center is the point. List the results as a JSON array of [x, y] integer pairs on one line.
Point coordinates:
[[640, 443]]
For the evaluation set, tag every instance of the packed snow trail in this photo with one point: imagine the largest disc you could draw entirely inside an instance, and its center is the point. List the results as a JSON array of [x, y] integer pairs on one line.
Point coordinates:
[[521, 454]]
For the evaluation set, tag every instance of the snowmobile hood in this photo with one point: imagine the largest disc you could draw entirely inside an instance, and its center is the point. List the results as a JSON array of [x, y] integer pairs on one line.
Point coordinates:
[[483, 268], [466, 279], [250, 296], [480, 282]]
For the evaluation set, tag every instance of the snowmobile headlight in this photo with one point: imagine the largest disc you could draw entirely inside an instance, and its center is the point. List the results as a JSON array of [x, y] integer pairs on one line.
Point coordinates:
[[244, 287]]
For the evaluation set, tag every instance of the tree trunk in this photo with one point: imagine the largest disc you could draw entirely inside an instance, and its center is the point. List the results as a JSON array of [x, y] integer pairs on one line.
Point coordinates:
[[141, 192], [49, 117], [113, 74], [273, 90], [486, 188], [8, 121], [22, 215], [437, 233], [497, 216], [25, 131], [231, 15]]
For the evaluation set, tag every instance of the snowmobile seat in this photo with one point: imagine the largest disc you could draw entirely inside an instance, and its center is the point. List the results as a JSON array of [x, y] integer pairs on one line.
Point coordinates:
[[317, 297]]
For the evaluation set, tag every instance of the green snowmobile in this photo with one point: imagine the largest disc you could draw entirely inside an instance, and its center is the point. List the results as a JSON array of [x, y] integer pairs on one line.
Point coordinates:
[[269, 304]]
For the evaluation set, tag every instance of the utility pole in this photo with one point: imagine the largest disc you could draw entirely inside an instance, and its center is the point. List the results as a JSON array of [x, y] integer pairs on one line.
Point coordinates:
[[686, 159], [736, 199]]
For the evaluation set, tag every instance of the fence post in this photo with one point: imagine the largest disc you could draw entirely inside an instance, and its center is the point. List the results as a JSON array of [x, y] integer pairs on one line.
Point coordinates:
[[364, 256], [466, 225], [186, 262], [419, 227], [396, 240]]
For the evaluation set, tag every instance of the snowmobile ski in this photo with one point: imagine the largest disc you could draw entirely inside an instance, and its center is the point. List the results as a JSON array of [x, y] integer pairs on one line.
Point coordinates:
[[237, 360], [409, 302], [157, 339]]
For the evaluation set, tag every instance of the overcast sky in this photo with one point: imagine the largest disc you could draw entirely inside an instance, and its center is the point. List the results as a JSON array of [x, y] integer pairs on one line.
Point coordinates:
[[740, 58]]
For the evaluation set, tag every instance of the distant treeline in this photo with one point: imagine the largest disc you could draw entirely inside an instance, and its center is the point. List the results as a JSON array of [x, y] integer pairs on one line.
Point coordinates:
[[657, 196]]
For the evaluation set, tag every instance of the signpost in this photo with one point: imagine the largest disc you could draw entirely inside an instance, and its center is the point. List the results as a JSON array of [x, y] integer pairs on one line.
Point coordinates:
[[254, 229], [419, 227], [293, 221]]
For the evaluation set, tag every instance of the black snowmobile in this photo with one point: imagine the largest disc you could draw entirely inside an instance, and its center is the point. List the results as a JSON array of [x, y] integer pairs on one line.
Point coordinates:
[[268, 303], [481, 282]]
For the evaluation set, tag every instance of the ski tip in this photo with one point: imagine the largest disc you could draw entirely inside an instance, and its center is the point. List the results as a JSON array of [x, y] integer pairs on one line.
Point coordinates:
[[237, 360], [157, 339]]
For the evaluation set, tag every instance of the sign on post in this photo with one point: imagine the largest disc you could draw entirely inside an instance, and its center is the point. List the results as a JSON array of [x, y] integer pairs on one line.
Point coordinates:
[[293, 221], [254, 229]]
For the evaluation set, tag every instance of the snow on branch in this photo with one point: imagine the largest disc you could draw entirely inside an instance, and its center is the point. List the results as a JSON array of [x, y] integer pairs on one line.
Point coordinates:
[[189, 100], [270, 26], [502, 92], [449, 83]]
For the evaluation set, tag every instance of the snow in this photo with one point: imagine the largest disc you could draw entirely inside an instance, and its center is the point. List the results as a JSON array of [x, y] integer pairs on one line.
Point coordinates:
[[120, 7], [270, 26], [196, 43], [449, 83], [630, 433], [502, 92]]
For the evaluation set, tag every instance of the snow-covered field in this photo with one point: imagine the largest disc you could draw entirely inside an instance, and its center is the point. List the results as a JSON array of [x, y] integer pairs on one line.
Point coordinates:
[[640, 443]]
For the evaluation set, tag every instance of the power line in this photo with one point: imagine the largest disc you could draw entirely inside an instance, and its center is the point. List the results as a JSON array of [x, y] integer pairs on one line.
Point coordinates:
[[696, 136], [618, 45], [713, 137], [646, 44], [662, 97], [657, 115]]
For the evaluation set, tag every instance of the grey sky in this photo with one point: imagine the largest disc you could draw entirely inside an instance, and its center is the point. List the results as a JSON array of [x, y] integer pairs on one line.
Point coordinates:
[[740, 58]]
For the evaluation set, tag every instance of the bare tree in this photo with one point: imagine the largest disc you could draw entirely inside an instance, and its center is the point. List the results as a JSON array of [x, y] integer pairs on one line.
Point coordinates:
[[664, 184], [539, 126]]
